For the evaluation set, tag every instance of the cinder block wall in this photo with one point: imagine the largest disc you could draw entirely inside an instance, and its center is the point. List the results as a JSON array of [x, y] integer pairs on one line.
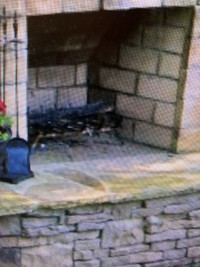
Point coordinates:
[[144, 74], [61, 86]]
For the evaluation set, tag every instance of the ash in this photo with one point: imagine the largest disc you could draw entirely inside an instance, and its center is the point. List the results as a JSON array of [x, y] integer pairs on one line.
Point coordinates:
[[81, 148]]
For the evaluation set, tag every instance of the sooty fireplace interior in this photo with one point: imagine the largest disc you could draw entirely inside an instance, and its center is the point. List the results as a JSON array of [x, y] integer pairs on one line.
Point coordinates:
[[134, 60]]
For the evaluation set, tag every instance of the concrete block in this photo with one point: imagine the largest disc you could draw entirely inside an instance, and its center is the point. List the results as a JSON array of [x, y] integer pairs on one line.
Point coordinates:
[[32, 78], [164, 114], [179, 3], [129, 4], [18, 6], [157, 88], [134, 107], [80, 6], [72, 97], [134, 37], [164, 38], [173, 39], [169, 65], [41, 99], [138, 59], [43, 7], [126, 129], [153, 135], [81, 74], [119, 80], [179, 17], [56, 76], [153, 36]]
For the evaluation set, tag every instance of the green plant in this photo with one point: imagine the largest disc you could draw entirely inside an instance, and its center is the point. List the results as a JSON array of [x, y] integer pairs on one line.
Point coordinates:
[[5, 123]]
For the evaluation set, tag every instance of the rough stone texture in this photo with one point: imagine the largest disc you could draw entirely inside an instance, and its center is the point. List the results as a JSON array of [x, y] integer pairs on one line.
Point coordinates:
[[177, 209], [52, 255], [116, 234], [194, 252], [10, 257], [10, 226], [38, 222], [162, 246], [174, 254], [184, 243], [87, 226], [97, 218], [83, 255], [167, 235], [128, 250], [87, 244], [124, 241], [93, 263]]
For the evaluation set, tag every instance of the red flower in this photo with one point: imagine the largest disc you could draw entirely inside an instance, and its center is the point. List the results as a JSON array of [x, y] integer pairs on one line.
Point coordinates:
[[2, 107]]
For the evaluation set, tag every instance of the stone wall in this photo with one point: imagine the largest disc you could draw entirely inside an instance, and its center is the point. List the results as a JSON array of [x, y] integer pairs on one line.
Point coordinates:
[[146, 72], [61, 86], [150, 233]]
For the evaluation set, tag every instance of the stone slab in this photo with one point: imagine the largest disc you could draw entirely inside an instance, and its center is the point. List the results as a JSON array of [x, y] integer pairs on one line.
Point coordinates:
[[129, 4]]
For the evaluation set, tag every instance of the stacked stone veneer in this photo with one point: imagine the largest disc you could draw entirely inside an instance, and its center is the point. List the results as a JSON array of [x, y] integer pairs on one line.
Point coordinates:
[[146, 73], [61, 86], [150, 233]]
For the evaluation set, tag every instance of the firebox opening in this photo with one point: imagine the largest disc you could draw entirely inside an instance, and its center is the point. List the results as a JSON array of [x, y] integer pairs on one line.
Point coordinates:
[[130, 60]]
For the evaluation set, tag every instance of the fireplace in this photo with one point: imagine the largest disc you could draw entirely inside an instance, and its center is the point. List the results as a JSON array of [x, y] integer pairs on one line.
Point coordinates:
[[137, 57]]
